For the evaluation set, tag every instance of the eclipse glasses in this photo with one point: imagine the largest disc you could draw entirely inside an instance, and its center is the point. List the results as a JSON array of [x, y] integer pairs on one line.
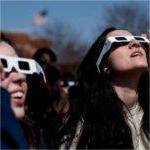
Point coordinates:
[[118, 39], [67, 83], [22, 65]]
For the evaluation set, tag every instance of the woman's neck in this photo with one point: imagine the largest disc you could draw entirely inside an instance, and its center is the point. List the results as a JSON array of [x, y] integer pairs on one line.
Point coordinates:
[[126, 88]]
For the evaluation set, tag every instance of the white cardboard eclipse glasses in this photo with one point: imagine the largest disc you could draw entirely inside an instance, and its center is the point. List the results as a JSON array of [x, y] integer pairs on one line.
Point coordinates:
[[22, 65], [118, 39]]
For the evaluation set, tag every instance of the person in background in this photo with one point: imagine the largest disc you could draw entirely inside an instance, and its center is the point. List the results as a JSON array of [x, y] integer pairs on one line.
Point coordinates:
[[43, 99], [110, 105], [43, 107], [47, 59], [58, 97], [67, 83], [45, 56]]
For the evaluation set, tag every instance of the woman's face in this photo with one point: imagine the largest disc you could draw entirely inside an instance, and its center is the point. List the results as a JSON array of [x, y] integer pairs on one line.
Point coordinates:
[[16, 83], [127, 57]]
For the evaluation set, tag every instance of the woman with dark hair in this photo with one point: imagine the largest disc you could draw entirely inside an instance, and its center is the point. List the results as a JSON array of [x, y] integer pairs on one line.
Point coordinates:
[[110, 106]]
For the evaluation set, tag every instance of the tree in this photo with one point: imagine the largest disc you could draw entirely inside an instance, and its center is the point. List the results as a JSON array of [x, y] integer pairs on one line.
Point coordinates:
[[133, 16], [66, 42]]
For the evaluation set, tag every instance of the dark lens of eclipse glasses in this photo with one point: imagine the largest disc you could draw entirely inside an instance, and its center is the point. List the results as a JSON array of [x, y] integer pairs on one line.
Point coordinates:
[[23, 65], [120, 38], [139, 38], [4, 63]]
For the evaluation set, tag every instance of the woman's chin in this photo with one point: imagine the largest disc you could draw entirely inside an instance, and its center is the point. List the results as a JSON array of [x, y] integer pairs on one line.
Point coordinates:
[[19, 112]]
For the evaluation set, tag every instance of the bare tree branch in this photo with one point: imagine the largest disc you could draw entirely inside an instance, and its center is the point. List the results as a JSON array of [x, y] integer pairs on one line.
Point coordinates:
[[129, 16]]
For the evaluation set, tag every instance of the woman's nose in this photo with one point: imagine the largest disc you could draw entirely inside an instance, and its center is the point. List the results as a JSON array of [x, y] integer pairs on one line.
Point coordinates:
[[18, 77], [134, 43]]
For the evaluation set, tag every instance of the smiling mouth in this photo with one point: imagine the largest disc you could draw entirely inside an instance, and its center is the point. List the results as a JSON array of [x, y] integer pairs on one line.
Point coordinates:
[[18, 98], [136, 53]]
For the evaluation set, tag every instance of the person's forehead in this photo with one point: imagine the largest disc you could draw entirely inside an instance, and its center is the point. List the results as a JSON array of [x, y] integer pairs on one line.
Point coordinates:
[[118, 33], [6, 49]]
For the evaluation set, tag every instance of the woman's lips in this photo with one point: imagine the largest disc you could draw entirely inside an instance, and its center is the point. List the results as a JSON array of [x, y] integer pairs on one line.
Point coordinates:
[[18, 102], [136, 53], [18, 97]]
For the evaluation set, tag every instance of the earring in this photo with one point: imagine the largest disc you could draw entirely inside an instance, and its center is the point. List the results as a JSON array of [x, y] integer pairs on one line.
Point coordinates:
[[106, 70]]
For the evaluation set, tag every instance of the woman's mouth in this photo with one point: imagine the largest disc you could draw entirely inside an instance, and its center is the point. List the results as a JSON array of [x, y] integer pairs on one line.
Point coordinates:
[[136, 53], [18, 98]]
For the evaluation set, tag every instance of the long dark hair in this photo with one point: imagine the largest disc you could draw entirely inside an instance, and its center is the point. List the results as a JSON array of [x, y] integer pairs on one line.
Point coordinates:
[[41, 113], [100, 107]]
